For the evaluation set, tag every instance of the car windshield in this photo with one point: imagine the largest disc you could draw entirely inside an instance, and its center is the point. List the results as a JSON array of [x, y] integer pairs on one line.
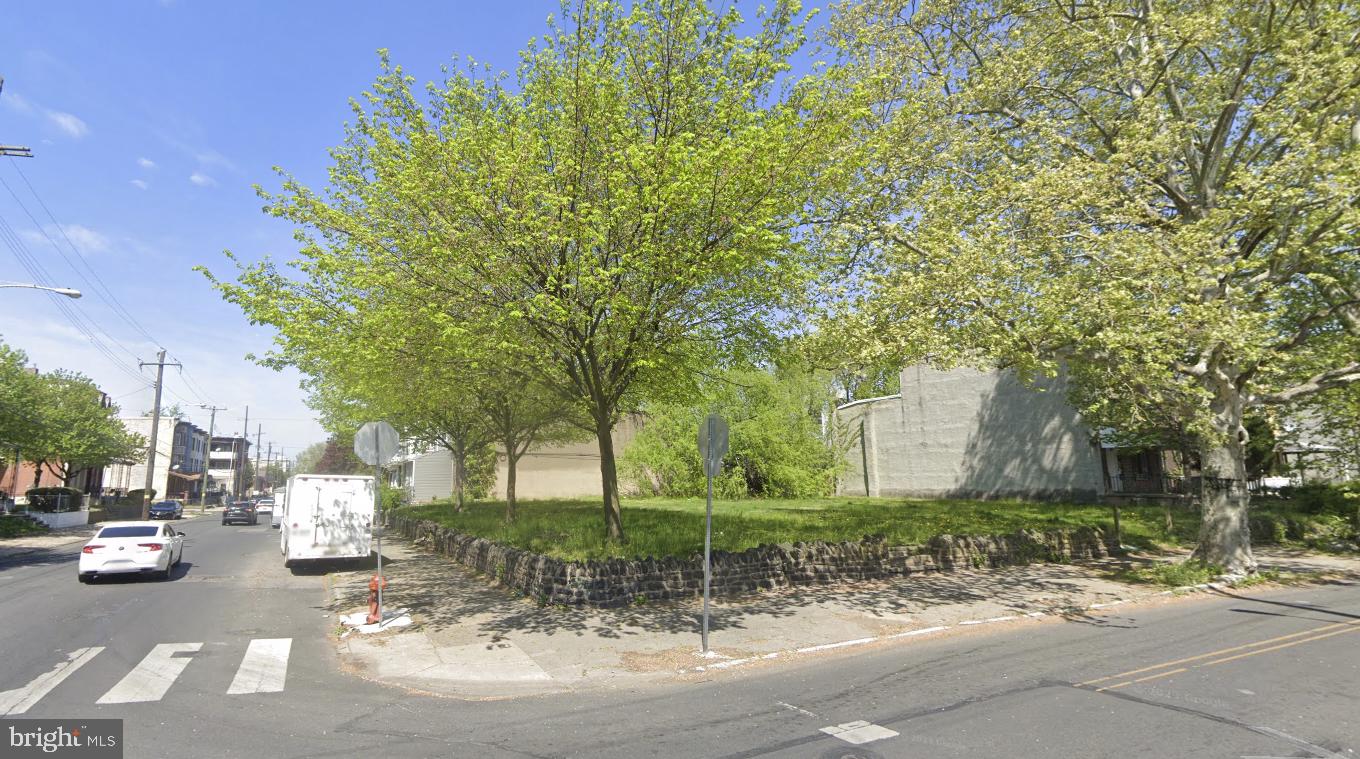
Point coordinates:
[[129, 531], [241, 505], [165, 504]]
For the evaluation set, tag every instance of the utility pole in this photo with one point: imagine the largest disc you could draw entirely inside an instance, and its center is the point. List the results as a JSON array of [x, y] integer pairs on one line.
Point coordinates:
[[155, 427], [13, 151], [241, 474], [255, 476], [268, 462], [207, 460]]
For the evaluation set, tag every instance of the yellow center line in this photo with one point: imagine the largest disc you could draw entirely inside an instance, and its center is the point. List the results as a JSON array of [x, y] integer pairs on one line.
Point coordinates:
[[1220, 652], [1141, 679], [1282, 645]]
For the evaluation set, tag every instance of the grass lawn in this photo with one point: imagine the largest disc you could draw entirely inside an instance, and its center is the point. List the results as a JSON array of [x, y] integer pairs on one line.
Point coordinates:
[[13, 527], [574, 529]]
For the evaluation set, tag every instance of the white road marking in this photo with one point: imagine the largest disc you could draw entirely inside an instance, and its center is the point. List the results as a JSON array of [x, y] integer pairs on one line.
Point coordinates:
[[19, 700], [859, 732], [264, 667], [987, 621], [842, 644], [150, 679], [793, 708], [922, 631]]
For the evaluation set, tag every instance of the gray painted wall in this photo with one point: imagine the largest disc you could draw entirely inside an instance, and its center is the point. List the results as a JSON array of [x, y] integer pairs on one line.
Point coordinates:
[[966, 433], [432, 476]]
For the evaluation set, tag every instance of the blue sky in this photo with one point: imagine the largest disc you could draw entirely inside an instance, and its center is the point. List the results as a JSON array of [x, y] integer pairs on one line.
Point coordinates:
[[150, 121]]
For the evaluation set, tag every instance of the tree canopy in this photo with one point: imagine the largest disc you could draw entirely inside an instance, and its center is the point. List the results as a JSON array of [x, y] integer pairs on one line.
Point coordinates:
[[1160, 199], [626, 211]]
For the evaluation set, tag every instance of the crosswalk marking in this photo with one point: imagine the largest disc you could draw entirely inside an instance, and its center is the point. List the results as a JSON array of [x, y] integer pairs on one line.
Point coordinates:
[[19, 700], [153, 676], [263, 668]]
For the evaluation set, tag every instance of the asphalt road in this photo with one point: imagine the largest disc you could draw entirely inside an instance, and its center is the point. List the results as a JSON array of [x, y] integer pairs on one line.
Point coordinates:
[[1269, 675]]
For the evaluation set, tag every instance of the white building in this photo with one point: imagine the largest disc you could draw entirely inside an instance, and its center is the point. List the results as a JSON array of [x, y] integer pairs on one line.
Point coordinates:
[[181, 450]]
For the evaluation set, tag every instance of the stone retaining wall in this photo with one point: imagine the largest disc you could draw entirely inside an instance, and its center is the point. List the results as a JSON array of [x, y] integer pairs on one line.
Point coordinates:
[[618, 582]]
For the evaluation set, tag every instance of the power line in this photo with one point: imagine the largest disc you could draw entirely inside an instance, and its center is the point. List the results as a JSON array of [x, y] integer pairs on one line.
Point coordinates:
[[39, 273], [111, 300]]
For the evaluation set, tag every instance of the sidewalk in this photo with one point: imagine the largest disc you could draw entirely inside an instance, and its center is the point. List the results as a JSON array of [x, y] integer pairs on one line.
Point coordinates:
[[472, 639]]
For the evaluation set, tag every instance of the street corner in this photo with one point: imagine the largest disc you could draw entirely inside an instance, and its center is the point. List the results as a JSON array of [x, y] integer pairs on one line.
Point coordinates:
[[412, 660]]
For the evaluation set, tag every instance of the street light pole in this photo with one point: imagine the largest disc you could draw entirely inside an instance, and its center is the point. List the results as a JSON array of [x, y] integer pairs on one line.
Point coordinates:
[[207, 458], [68, 292]]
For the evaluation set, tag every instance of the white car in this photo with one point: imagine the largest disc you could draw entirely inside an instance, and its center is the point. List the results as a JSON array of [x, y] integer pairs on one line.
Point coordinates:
[[132, 548]]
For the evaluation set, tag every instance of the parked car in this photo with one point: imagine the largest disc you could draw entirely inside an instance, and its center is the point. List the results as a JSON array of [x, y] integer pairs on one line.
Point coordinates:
[[265, 506], [240, 511], [166, 510], [132, 548]]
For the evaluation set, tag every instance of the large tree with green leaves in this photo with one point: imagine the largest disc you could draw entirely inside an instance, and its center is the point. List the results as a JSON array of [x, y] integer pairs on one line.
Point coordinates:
[[77, 428], [627, 210], [1160, 198], [19, 390]]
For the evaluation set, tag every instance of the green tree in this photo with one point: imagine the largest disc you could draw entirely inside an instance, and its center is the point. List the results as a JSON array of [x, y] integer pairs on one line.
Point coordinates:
[[19, 389], [310, 456], [1161, 198], [77, 428], [627, 212]]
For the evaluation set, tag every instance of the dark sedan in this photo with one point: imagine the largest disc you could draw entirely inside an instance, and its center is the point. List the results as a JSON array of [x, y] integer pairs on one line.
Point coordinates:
[[165, 510], [240, 511]]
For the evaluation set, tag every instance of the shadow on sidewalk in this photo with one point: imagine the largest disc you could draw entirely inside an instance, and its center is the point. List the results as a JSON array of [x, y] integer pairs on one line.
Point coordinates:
[[444, 595]]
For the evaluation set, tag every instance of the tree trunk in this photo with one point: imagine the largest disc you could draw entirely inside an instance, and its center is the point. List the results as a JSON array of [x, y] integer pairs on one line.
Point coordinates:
[[511, 460], [1224, 536], [459, 478], [609, 478]]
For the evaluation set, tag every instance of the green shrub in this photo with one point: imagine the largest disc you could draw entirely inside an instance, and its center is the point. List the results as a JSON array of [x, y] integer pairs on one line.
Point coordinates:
[[779, 447], [54, 499], [1324, 498]]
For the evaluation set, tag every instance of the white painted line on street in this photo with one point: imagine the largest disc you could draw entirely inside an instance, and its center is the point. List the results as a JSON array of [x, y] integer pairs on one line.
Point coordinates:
[[19, 700], [987, 621], [1107, 605], [859, 732], [264, 667], [800, 710], [151, 678], [922, 631], [842, 644]]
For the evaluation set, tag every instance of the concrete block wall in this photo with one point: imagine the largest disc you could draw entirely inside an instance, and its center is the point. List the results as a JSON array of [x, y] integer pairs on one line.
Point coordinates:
[[619, 582], [965, 433]]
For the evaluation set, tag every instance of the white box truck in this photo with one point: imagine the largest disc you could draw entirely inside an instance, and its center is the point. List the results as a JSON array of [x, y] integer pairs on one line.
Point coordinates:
[[327, 516]]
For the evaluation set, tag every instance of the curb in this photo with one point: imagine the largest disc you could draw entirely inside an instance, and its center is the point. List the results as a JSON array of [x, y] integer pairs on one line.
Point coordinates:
[[731, 663]]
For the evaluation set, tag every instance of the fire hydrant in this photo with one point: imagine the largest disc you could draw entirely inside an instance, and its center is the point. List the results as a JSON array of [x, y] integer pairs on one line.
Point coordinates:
[[373, 586]]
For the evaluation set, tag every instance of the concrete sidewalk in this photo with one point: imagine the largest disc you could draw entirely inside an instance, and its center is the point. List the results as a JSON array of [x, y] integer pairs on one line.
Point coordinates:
[[473, 639]]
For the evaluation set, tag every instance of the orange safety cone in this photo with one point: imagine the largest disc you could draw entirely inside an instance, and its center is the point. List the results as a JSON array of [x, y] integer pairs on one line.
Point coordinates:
[[373, 584]]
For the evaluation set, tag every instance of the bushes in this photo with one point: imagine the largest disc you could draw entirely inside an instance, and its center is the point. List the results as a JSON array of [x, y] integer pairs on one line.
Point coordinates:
[[49, 500], [1325, 498], [779, 445]]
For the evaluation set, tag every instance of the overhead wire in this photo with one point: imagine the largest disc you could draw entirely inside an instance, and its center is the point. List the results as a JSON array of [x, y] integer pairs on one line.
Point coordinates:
[[39, 273], [98, 286]]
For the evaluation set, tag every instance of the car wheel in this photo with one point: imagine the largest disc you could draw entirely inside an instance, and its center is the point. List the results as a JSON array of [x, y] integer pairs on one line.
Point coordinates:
[[287, 563], [163, 575], [85, 579]]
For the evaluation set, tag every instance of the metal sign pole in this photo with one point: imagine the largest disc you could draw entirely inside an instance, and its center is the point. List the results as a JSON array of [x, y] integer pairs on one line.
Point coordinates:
[[377, 498]]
